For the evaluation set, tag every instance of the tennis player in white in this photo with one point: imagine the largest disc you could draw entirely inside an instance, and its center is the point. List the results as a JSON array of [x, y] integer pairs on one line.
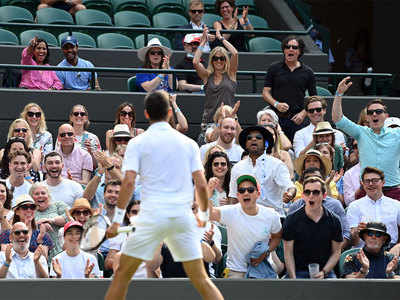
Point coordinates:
[[166, 161]]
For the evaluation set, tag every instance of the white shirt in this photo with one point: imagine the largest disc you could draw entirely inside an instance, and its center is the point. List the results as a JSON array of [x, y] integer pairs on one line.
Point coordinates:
[[165, 160], [66, 191], [234, 153], [23, 189], [206, 48], [304, 136], [385, 210], [22, 267], [244, 231], [73, 267], [273, 176], [351, 183]]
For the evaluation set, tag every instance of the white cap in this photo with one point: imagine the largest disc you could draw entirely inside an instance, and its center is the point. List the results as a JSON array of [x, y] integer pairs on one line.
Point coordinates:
[[192, 37], [392, 122]]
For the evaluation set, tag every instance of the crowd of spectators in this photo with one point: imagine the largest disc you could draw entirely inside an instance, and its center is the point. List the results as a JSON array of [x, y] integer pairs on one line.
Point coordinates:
[[287, 193]]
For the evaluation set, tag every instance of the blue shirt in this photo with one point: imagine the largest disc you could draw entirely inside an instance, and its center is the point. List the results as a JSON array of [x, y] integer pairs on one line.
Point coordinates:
[[75, 80], [143, 77], [381, 150]]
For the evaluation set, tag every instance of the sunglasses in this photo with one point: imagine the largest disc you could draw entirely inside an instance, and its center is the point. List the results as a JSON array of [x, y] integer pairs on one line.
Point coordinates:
[[133, 211], [121, 139], [82, 212], [32, 114], [312, 110], [19, 232], [82, 113], [197, 11], [257, 136], [378, 111], [64, 134], [294, 47], [126, 113], [26, 207], [156, 53], [217, 164], [378, 234], [372, 180], [355, 146], [24, 130], [249, 189], [314, 192], [220, 58]]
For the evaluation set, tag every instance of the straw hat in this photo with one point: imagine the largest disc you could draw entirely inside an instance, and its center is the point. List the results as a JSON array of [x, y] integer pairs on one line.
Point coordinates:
[[23, 199], [121, 130], [323, 128], [79, 204], [154, 42], [299, 162]]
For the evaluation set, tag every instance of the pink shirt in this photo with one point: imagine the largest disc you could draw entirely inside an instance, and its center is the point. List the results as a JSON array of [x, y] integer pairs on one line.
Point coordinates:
[[351, 183], [76, 161], [38, 80]]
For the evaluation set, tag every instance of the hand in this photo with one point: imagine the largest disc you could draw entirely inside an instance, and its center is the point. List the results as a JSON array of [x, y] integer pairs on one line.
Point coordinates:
[[98, 210], [102, 159], [392, 265], [2, 210], [338, 175], [319, 275], [112, 230], [218, 34], [223, 201], [245, 13], [69, 175], [363, 259], [88, 146], [282, 107], [288, 196], [344, 85], [67, 213], [298, 118], [213, 182], [256, 261], [235, 109], [330, 178], [208, 235], [361, 226], [38, 253], [88, 269], [200, 223], [165, 64], [33, 42], [8, 253], [56, 267], [45, 227], [204, 36], [235, 14], [172, 98]]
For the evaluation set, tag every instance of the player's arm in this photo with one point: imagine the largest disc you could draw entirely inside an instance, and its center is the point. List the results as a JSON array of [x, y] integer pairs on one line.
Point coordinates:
[[200, 184]]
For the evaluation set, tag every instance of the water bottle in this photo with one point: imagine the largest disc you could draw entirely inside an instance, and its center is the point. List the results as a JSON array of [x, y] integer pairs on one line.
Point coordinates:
[[368, 80]]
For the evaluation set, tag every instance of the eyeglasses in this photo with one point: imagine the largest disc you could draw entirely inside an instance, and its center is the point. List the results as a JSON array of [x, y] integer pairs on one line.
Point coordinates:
[[312, 110], [156, 53], [26, 207], [355, 146], [217, 164], [81, 113], [126, 113], [372, 180], [197, 11], [133, 211], [18, 130], [371, 233], [257, 136], [249, 189], [32, 114], [82, 212], [314, 192], [220, 58], [64, 134], [19, 232], [122, 139], [294, 47], [378, 111]]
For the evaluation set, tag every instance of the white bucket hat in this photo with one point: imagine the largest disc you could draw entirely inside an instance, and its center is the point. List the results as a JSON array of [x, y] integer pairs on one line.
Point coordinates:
[[154, 42]]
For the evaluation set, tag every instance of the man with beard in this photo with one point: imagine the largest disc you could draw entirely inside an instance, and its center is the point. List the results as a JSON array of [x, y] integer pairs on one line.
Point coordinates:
[[312, 234], [272, 174], [227, 133], [61, 189], [16, 262], [18, 166], [74, 80]]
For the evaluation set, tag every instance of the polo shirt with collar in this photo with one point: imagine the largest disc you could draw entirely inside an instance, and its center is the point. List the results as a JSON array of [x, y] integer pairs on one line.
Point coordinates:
[[78, 160], [75, 80], [351, 183], [385, 210], [234, 152], [22, 267], [273, 176], [381, 150]]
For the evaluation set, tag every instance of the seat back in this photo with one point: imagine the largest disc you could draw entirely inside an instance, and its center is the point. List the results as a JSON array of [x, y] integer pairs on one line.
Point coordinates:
[[92, 17], [114, 41], [139, 40], [131, 19], [84, 40], [132, 5], [343, 257], [132, 87], [8, 38], [209, 19], [15, 14], [26, 36], [264, 44], [50, 15]]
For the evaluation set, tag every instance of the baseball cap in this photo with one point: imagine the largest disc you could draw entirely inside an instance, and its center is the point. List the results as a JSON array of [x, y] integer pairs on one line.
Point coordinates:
[[247, 178], [69, 40], [72, 224], [192, 37], [392, 121]]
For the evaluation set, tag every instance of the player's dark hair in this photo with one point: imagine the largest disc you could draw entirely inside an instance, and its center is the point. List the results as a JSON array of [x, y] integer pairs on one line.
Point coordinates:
[[157, 105]]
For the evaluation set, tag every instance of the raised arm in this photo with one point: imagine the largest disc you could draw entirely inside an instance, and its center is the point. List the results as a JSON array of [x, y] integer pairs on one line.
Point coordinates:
[[200, 69], [234, 61], [337, 112], [182, 125]]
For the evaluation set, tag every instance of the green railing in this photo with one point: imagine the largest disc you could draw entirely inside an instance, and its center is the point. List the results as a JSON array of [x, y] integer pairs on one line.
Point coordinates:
[[252, 74]]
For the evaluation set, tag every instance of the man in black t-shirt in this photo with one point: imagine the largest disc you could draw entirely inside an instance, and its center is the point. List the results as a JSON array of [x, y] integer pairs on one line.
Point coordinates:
[[312, 234]]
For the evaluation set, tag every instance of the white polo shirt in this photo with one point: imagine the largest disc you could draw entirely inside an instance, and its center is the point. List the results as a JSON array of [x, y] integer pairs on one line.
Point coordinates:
[[385, 210], [22, 267], [234, 153], [273, 176], [165, 160]]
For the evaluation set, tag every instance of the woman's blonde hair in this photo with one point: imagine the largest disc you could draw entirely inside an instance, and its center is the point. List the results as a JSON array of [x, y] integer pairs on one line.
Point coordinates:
[[207, 154], [210, 67], [42, 124], [28, 138], [218, 112]]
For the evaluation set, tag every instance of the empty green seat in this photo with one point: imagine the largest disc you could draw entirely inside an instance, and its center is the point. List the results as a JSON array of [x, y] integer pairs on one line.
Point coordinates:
[[92, 17], [249, 3], [323, 92], [168, 20], [15, 14], [114, 41], [103, 5], [133, 5], [175, 6], [8, 38], [26, 36], [139, 41], [131, 19], [30, 5], [209, 19], [132, 87], [258, 22], [264, 44], [84, 40], [50, 15]]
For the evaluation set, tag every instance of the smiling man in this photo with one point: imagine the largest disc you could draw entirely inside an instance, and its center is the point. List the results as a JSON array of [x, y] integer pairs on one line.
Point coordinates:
[[18, 166], [74, 80]]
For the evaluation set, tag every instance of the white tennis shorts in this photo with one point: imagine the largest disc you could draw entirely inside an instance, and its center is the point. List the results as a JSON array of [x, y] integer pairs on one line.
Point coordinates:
[[181, 235]]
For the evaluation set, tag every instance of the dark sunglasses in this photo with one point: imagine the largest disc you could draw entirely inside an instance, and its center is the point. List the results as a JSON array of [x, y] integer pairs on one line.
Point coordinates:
[[156, 52], [314, 192], [257, 136], [355, 146], [378, 111], [82, 212], [121, 139], [126, 113], [371, 233], [197, 11], [312, 110], [30, 206], [372, 180], [294, 47], [82, 114], [19, 232], [134, 211], [21, 129], [249, 189], [64, 134], [217, 164], [216, 58], [32, 114]]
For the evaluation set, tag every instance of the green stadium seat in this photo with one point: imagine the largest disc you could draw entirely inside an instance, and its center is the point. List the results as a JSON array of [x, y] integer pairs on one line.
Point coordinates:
[[264, 44], [323, 92], [102, 5], [175, 6], [168, 20], [209, 6], [50, 15], [209, 19], [114, 41], [133, 5], [139, 40], [26, 36], [8, 38], [30, 5], [343, 257], [258, 23], [131, 19], [132, 87], [249, 3], [84, 40], [92, 17], [15, 14]]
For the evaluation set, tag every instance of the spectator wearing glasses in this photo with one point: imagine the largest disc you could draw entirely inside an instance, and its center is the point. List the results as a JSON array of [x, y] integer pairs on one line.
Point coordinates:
[[6, 214], [42, 139], [125, 114], [285, 85], [378, 146], [75, 80], [17, 261], [375, 206], [121, 136], [78, 164]]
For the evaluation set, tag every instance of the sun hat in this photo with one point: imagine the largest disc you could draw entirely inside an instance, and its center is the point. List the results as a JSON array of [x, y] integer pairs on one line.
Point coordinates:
[[376, 226], [79, 204], [121, 130], [154, 42], [23, 199], [268, 138], [299, 162], [323, 128]]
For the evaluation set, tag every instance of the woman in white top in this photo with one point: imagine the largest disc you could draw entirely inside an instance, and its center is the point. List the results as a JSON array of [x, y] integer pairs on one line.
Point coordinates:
[[6, 213]]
